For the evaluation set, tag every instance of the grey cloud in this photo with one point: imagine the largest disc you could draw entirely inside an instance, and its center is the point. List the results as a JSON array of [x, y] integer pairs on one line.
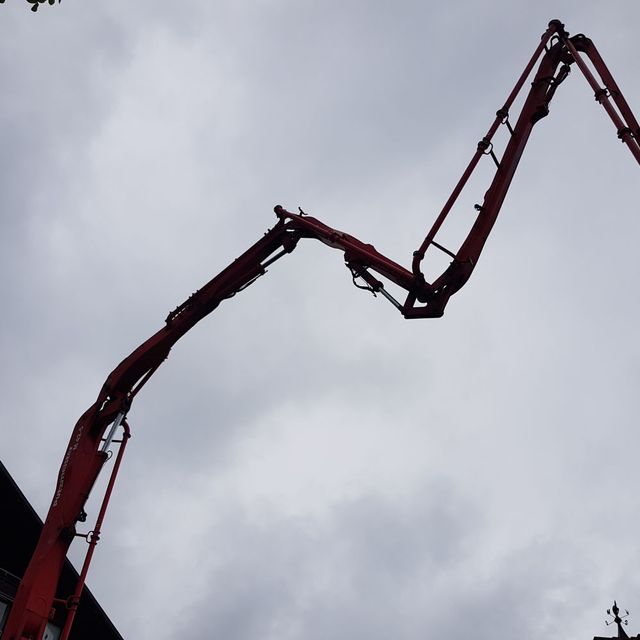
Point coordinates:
[[306, 578]]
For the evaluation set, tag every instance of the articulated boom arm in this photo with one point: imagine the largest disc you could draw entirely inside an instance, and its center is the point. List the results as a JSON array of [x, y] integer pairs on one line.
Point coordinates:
[[557, 52], [95, 430]]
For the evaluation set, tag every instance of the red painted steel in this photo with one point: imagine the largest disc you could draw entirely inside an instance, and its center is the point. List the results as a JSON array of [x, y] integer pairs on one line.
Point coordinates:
[[93, 537], [83, 459], [560, 52]]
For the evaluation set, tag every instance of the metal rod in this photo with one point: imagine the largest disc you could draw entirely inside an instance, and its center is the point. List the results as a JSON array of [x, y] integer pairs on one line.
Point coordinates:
[[112, 431], [390, 298], [444, 249], [271, 260]]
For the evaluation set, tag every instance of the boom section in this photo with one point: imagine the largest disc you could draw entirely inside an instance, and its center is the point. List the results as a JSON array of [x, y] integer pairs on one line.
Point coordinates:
[[87, 453], [556, 53], [94, 431]]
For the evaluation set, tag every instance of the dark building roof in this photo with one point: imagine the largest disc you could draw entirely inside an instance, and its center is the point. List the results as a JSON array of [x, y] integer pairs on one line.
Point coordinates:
[[19, 534]]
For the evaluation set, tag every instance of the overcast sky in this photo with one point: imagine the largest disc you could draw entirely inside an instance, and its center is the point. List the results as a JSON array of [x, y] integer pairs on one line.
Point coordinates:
[[307, 464]]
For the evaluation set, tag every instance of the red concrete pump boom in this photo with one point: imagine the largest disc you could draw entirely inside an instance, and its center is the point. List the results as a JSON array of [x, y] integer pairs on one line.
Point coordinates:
[[37, 601]]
